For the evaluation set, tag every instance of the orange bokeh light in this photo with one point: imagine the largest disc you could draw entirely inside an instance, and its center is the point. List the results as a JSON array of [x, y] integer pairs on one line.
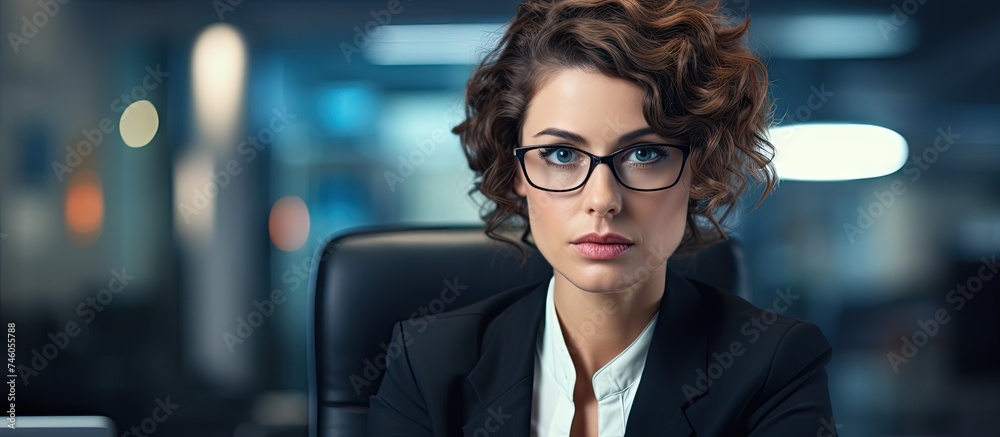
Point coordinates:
[[288, 223], [84, 206]]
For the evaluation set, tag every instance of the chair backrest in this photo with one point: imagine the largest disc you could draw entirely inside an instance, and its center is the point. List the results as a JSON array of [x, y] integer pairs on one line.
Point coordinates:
[[364, 280]]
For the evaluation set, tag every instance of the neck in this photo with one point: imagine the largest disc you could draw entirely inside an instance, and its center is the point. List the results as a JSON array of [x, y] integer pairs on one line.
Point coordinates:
[[597, 326]]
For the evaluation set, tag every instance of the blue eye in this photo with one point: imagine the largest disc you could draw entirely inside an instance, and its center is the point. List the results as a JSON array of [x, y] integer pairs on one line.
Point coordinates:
[[645, 155], [562, 155]]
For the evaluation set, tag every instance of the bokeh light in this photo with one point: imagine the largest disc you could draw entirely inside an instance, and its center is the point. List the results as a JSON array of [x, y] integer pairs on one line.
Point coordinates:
[[288, 223], [836, 151], [139, 123], [84, 207], [218, 70]]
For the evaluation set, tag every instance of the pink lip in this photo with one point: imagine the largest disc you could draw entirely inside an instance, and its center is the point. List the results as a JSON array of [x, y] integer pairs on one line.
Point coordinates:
[[601, 251], [609, 238]]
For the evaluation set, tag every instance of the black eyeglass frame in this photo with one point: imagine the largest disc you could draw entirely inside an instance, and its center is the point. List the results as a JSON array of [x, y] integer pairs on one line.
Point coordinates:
[[598, 160]]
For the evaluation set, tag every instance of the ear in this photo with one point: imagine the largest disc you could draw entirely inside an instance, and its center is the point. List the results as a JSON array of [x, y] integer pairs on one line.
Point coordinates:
[[520, 185]]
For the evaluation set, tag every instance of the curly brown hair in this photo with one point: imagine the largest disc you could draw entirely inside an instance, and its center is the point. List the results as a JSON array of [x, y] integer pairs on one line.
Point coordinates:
[[701, 85]]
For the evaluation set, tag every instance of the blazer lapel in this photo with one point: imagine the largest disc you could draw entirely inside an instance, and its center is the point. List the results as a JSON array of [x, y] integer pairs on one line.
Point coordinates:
[[502, 381], [677, 350]]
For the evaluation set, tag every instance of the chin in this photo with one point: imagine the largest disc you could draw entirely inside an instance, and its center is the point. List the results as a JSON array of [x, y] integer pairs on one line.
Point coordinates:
[[602, 277]]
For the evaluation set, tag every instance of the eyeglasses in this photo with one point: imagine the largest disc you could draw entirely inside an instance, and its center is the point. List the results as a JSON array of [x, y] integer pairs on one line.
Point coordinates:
[[640, 167]]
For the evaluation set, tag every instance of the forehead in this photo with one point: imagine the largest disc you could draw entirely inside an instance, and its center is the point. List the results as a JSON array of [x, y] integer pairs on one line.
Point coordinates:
[[599, 109], [583, 98]]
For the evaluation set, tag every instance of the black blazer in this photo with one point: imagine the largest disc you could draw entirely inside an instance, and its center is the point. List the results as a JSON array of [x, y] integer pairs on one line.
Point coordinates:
[[711, 370]]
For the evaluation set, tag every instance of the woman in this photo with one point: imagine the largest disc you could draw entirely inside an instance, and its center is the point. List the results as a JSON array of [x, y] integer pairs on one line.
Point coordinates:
[[665, 95]]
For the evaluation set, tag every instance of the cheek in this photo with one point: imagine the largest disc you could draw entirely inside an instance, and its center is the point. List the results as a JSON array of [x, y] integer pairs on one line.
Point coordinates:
[[549, 216], [542, 208], [664, 221], [677, 201]]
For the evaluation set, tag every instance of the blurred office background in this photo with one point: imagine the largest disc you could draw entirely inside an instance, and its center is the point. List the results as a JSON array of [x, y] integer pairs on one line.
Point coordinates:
[[130, 264]]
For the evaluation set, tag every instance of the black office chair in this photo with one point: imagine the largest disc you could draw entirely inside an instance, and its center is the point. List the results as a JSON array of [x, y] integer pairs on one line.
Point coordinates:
[[364, 280]]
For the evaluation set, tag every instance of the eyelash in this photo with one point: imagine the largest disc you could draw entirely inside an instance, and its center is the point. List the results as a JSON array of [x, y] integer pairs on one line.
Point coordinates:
[[659, 150]]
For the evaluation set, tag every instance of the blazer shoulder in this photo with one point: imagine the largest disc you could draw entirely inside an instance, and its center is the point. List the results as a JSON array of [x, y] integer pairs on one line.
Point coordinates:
[[732, 314], [772, 346], [763, 371]]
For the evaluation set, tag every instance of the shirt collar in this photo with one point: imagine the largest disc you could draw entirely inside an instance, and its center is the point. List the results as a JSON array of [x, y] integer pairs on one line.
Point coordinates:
[[614, 377]]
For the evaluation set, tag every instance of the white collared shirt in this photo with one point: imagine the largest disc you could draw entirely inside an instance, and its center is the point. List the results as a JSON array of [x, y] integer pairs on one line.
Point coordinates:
[[614, 384]]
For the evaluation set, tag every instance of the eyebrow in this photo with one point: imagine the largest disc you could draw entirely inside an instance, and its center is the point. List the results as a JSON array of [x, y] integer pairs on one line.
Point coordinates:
[[577, 138]]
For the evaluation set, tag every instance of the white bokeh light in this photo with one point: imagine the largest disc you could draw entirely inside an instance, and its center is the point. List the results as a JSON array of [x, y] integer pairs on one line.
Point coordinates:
[[836, 152], [139, 123], [218, 71]]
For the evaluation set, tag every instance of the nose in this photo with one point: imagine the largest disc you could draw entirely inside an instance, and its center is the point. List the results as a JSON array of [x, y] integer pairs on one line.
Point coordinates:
[[602, 193]]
